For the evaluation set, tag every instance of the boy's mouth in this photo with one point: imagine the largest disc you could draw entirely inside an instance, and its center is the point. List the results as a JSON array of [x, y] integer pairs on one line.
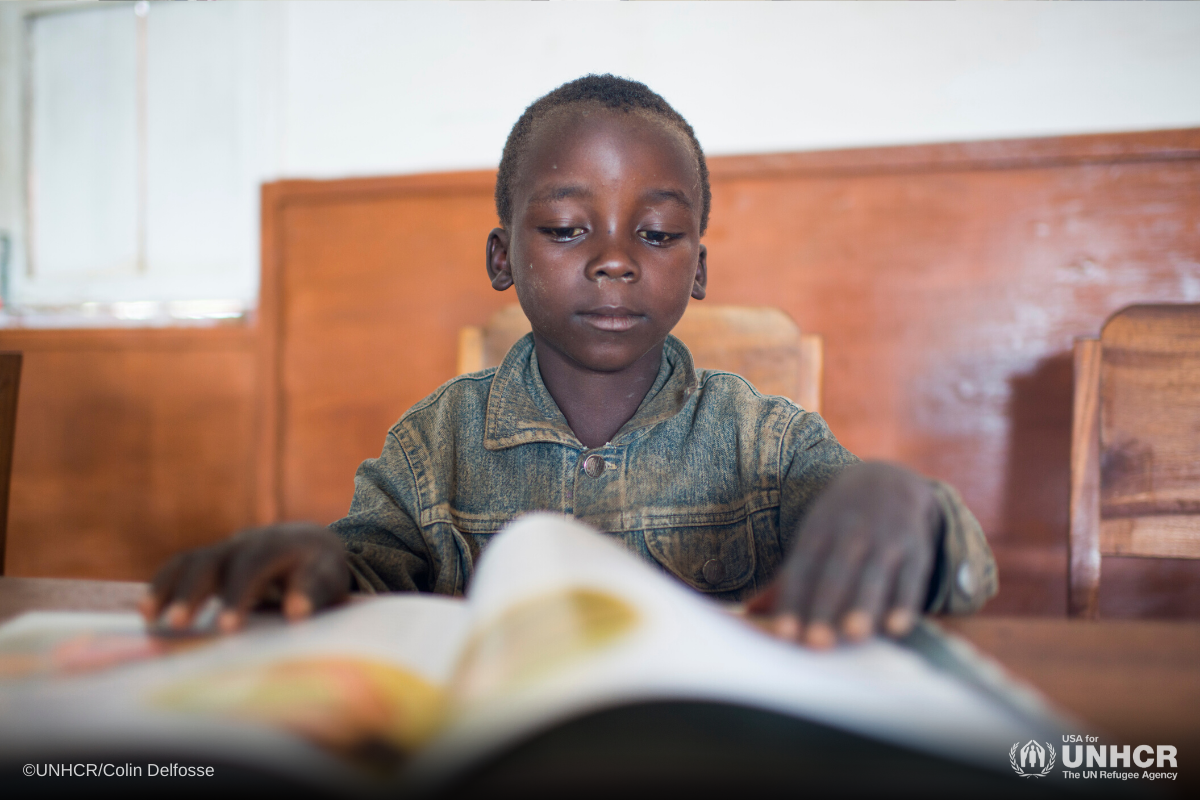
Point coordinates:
[[611, 318]]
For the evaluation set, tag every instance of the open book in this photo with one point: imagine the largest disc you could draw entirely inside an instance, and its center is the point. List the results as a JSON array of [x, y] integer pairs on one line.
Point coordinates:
[[559, 622]]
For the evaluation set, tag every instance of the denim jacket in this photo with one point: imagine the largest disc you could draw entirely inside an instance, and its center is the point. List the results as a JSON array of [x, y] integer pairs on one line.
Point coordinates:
[[708, 481]]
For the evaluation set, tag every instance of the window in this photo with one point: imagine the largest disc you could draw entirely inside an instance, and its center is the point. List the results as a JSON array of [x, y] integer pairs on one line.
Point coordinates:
[[143, 154]]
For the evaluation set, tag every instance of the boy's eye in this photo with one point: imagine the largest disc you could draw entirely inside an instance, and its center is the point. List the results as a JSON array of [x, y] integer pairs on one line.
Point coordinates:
[[563, 234], [659, 237]]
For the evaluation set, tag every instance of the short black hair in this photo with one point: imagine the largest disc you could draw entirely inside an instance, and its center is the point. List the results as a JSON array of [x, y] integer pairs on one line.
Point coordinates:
[[608, 91]]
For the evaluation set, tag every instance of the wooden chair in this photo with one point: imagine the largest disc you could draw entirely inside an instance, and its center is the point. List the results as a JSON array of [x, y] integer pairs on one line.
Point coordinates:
[[761, 344], [10, 382], [1135, 444]]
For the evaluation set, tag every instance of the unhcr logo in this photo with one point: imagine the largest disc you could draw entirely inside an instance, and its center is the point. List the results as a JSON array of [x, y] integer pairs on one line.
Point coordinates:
[[1034, 757]]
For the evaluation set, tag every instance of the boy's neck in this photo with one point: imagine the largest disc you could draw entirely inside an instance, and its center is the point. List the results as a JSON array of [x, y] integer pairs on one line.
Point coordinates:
[[596, 404]]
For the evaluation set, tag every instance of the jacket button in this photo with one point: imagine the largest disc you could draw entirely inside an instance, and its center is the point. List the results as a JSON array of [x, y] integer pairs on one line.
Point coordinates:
[[593, 465], [966, 581], [714, 571]]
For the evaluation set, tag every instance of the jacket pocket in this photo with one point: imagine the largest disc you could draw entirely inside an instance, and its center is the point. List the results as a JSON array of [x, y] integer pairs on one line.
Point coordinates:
[[710, 558]]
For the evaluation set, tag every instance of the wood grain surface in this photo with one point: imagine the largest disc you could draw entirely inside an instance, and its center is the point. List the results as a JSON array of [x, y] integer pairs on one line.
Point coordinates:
[[130, 445], [1135, 453], [1150, 413], [1084, 540], [10, 384], [762, 344], [18, 595], [1134, 681]]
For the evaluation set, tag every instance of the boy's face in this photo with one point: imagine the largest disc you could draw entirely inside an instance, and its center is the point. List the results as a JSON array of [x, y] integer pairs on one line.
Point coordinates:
[[604, 246]]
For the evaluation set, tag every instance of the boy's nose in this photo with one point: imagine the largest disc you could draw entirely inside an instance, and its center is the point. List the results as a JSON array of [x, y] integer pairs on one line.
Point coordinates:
[[614, 262]]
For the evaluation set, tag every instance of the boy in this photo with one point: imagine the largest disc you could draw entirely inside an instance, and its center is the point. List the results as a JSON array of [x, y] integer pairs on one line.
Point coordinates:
[[603, 196]]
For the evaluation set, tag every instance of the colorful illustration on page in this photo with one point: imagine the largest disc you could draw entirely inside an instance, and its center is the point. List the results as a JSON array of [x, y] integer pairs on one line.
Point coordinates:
[[64, 652], [538, 637], [369, 713]]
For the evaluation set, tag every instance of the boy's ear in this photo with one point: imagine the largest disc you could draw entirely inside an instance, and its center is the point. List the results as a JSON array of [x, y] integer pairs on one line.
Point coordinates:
[[498, 267], [700, 286]]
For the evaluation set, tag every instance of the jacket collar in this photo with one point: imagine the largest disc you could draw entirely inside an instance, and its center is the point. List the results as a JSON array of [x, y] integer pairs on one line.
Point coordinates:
[[520, 409]]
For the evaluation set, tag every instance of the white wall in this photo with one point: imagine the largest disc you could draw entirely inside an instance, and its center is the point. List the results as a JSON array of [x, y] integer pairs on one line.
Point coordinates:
[[376, 88], [397, 88]]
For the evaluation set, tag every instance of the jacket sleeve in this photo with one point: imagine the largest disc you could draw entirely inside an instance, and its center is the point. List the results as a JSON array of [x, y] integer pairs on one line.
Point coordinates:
[[385, 547], [964, 575]]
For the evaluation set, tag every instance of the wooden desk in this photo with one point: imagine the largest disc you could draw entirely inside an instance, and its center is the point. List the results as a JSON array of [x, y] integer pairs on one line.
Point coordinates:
[[1136, 682], [18, 595]]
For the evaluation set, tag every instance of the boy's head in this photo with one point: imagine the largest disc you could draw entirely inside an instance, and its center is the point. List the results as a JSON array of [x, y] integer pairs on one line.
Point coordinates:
[[602, 91], [603, 196]]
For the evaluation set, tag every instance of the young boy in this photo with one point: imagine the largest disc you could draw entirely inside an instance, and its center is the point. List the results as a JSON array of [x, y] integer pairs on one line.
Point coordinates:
[[603, 197]]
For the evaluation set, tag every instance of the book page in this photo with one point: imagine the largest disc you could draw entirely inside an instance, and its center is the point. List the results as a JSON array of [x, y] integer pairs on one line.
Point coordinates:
[[341, 699], [560, 622], [566, 622]]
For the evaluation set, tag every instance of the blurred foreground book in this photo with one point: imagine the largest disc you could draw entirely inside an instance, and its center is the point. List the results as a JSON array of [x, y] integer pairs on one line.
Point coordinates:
[[418, 690]]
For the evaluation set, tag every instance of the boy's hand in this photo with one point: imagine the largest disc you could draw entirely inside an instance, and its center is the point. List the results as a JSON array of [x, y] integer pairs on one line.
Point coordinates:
[[862, 559], [305, 561]]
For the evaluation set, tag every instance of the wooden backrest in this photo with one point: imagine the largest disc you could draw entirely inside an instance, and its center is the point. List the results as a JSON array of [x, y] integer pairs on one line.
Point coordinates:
[[1136, 449], [760, 343], [10, 383]]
